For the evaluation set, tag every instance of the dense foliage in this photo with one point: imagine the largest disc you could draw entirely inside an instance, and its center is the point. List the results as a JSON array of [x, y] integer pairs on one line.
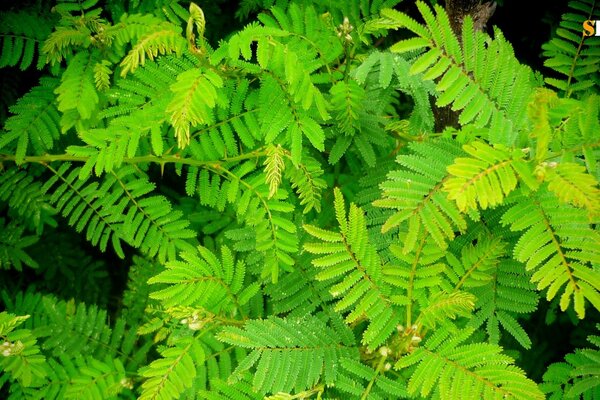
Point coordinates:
[[290, 222]]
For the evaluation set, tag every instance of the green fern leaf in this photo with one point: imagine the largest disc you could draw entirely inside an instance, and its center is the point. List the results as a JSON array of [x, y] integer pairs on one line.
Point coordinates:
[[572, 184], [97, 380], [21, 357], [200, 280], [455, 369], [443, 306], [577, 377], [168, 376], [560, 246], [571, 54], [355, 265], [307, 355], [13, 245], [362, 381], [163, 39], [274, 165], [195, 97], [36, 122], [416, 192], [487, 177], [468, 72], [346, 99], [21, 37], [509, 293], [77, 90]]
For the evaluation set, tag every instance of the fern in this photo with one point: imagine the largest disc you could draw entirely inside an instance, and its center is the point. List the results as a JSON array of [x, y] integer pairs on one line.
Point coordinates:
[[302, 357], [77, 90], [195, 96], [36, 122], [507, 294], [362, 290], [116, 210], [21, 37], [21, 354], [465, 370], [417, 193], [205, 283], [576, 377], [191, 208], [571, 54], [469, 72], [12, 247], [559, 246]]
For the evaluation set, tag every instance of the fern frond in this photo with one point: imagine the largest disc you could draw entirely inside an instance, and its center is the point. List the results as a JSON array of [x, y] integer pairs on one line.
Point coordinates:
[[168, 376], [13, 245], [77, 90], [97, 379], [118, 209], [274, 165], [362, 381], [286, 114], [560, 246], [577, 377], [66, 330], [160, 40], [102, 74], [455, 369], [443, 306], [137, 294], [416, 191], [306, 349], [346, 99], [349, 258], [240, 390], [36, 122], [21, 358], [195, 97], [487, 177], [273, 232], [570, 53], [469, 72], [21, 37], [25, 198], [414, 275], [571, 184], [477, 264], [509, 293], [201, 280]]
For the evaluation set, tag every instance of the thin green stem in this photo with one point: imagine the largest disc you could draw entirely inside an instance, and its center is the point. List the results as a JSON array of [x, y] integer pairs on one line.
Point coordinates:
[[175, 159], [380, 365]]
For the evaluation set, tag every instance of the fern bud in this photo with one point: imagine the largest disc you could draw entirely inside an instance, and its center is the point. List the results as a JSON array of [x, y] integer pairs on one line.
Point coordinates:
[[126, 383]]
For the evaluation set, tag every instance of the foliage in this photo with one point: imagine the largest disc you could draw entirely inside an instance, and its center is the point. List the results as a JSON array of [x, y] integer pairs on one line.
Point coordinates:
[[268, 213]]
